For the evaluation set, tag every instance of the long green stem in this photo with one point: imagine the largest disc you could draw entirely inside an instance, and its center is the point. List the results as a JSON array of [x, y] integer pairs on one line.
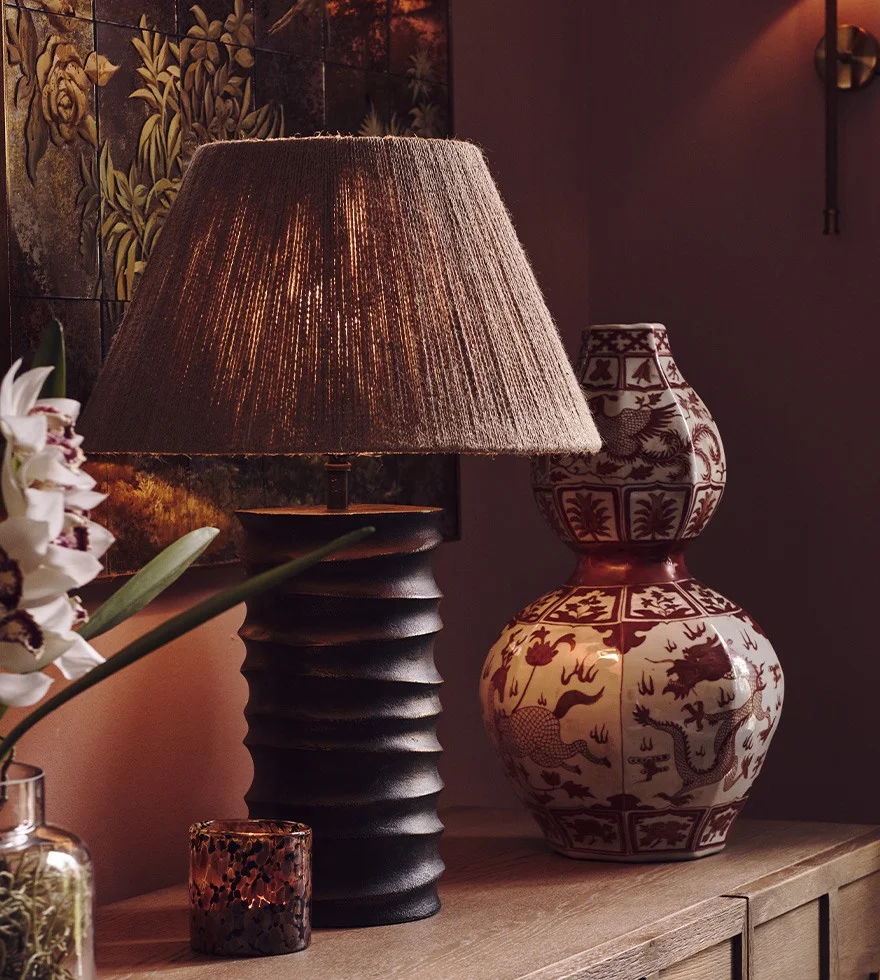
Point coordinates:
[[180, 624]]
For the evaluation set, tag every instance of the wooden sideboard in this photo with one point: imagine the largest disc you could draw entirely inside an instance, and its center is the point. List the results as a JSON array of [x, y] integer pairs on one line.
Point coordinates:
[[784, 901]]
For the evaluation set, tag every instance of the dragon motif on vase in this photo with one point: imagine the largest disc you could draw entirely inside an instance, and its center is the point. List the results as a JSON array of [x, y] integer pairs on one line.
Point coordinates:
[[725, 764]]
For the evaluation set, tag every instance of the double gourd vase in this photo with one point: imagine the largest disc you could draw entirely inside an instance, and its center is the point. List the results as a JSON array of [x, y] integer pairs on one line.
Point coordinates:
[[633, 707]]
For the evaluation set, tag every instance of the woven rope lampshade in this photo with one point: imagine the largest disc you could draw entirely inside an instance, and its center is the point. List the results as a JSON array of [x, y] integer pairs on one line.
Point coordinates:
[[338, 295], [342, 295]]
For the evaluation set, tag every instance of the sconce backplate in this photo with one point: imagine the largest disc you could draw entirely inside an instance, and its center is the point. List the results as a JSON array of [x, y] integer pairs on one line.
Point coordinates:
[[858, 55]]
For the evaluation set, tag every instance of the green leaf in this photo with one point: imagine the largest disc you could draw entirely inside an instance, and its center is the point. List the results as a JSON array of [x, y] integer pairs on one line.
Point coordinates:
[[152, 580], [51, 353], [178, 625]]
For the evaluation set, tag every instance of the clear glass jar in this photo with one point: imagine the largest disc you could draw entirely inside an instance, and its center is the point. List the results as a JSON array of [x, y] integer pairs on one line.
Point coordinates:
[[46, 895]]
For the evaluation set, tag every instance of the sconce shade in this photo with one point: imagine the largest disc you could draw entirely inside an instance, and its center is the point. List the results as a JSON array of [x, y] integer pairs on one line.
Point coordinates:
[[338, 295]]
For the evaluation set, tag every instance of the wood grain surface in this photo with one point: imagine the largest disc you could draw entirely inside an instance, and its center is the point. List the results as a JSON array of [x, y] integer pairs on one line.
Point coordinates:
[[712, 964], [788, 888], [859, 936], [787, 948], [514, 910]]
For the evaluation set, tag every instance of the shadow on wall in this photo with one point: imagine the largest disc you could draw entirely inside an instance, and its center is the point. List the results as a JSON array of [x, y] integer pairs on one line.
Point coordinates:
[[706, 213], [133, 762]]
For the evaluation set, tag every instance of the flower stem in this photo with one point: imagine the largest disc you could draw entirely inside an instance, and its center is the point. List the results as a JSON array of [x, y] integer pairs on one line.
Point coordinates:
[[178, 625]]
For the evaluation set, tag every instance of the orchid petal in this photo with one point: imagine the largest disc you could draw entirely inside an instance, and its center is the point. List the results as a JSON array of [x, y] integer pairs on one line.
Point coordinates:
[[55, 616], [78, 658], [50, 466], [67, 408], [100, 539], [13, 494], [63, 569], [25, 540], [46, 506], [21, 643], [26, 389], [6, 386], [26, 432], [54, 621], [84, 500], [22, 690]]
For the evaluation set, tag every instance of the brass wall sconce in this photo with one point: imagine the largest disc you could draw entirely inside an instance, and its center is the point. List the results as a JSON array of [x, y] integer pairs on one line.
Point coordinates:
[[854, 56], [857, 55]]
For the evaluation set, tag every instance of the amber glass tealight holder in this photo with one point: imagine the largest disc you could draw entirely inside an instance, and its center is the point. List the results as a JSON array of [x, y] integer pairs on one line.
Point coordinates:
[[250, 886]]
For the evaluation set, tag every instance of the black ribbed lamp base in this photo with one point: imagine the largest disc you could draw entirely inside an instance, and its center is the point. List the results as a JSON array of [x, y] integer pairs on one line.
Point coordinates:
[[343, 704]]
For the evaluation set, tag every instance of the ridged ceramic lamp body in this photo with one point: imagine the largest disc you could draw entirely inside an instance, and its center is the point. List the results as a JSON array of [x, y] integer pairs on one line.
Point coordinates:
[[632, 708], [343, 705]]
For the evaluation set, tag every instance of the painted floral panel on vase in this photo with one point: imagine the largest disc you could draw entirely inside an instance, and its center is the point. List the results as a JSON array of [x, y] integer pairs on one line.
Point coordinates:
[[105, 102]]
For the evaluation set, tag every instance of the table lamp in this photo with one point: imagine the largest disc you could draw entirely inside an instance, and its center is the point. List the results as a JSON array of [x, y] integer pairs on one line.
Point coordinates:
[[342, 296]]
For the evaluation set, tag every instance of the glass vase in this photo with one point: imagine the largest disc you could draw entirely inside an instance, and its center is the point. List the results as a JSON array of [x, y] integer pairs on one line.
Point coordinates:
[[46, 895]]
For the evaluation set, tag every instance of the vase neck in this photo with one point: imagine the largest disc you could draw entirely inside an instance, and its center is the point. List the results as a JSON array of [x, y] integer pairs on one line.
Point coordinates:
[[22, 804], [621, 340], [630, 565]]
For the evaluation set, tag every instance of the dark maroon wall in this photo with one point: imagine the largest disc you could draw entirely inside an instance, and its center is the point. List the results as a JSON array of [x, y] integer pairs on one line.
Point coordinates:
[[705, 198], [663, 161]]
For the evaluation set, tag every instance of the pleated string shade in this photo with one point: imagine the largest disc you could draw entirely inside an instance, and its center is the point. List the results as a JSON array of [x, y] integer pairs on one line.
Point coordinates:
[[338, 295]]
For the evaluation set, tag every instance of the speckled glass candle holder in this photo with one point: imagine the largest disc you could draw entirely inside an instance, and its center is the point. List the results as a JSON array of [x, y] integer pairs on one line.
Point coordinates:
[[250, 886]]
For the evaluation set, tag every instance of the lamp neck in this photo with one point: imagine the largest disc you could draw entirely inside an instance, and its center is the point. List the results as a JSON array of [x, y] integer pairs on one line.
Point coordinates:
[[337, 469]]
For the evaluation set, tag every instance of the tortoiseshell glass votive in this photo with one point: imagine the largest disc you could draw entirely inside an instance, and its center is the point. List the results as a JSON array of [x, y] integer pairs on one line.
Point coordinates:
[[250, 886]]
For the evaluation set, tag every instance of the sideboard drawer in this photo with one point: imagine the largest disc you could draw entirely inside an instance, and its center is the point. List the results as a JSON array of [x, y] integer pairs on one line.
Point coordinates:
[[718, 963], [787, 947], [858, 920]]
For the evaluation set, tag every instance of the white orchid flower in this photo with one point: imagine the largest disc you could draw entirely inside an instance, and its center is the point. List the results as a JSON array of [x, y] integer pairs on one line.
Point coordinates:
[[35, 637], [48, 542]]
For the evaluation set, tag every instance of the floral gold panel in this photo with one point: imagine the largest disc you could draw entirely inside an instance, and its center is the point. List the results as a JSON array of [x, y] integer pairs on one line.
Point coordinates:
[[105, 102]]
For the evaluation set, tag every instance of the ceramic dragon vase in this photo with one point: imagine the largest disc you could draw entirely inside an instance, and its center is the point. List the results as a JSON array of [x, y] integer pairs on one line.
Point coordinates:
[[632, 708]]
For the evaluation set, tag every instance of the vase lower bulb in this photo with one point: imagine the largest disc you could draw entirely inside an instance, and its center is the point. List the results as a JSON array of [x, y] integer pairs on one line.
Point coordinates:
[[635, 741]]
